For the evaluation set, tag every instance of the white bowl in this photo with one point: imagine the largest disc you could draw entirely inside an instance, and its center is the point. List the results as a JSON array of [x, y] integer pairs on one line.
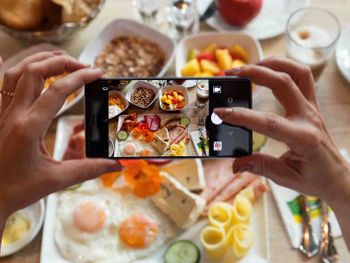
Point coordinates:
[[126, 27], [125, 101], [141, 83], [173, 87], [228, 39], [36, 213]]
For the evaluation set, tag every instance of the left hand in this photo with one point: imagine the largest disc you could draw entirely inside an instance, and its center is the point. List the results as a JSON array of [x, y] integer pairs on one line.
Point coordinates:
[[27, 171]]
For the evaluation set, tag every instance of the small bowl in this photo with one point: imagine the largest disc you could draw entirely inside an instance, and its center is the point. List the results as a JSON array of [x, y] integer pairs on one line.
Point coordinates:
[[173, 87], [127, 27], [36, 213], [138, 84], [56, 35], [115, 93], [228, 39]]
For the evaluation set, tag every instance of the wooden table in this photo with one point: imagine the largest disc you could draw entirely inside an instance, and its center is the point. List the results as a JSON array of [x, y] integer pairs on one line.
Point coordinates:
[[333, 94]]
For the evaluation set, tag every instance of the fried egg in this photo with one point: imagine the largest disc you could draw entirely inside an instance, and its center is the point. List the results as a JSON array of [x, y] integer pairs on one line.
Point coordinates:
[[96, 224]]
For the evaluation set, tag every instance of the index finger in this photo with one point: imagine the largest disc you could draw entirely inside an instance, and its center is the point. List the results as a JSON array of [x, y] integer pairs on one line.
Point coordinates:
[[46, 107], [281, 84], [269, 124], [301, 74]]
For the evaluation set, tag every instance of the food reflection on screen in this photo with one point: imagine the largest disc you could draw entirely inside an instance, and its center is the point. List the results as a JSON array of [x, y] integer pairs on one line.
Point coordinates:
[[152, 118]]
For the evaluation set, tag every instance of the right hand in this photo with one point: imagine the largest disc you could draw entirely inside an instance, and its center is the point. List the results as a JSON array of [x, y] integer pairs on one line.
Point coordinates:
[[313, 164]]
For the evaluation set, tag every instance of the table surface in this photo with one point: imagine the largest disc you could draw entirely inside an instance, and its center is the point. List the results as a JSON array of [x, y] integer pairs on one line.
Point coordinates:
[[333, 94]]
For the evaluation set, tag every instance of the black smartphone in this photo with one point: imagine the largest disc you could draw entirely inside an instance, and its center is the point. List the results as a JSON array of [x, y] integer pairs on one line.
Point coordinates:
[[165, 118]]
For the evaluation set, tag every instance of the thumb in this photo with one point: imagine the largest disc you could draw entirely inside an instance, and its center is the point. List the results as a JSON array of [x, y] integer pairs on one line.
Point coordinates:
[[72, 172], [268, 166]]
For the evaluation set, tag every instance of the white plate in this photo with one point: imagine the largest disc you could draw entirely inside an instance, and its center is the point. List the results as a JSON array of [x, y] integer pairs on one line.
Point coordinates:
[[270, 22], [126, 27], [228, 39], [14, 60], [35, 213], [342, 54], [49, 252]]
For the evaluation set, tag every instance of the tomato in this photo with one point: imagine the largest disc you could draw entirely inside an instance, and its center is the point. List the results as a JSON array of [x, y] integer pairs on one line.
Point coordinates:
[[220, 74], [136, 133], [207, 56], [148, 136]]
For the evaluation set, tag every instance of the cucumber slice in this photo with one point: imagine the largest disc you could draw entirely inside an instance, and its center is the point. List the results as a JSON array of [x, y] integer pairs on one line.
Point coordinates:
[[122, 135], [259, 141], [182, 251], [185, 121]]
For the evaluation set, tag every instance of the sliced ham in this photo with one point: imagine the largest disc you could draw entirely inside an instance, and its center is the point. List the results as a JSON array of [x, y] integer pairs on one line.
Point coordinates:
[[234, 187], [76, 144], [153, 121], [218, 174], [183, 136], [174, 132], [259, 187]]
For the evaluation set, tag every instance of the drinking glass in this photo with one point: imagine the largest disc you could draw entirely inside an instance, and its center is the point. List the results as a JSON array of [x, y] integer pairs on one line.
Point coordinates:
[[202, 94], [183, 18], [311, 36], [148, 10]]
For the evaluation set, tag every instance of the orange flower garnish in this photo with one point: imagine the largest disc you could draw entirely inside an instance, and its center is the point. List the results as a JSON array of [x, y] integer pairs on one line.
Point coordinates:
[[109, 178], [144, 178]]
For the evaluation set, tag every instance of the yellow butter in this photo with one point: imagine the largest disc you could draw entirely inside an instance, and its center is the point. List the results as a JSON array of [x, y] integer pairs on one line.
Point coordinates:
[[214, 242], [242, 210], [220, 214], [240, 238]]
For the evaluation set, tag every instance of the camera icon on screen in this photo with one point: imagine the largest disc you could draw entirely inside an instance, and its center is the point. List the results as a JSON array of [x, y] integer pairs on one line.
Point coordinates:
[[217, 89]]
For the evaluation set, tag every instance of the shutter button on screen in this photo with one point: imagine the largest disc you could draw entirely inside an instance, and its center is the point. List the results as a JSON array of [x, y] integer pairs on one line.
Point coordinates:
[[215, 119]]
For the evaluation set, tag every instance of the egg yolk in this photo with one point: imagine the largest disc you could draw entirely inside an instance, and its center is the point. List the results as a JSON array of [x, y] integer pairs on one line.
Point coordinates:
[[89, 217], [138, 231]]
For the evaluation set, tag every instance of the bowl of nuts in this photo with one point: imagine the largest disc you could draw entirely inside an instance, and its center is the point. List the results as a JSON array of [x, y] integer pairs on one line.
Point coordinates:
[[142, 94], [126, 48]]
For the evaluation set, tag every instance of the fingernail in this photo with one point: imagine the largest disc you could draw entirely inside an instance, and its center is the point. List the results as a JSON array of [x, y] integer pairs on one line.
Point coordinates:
[[97, 70], [58, 52], [114, 167], [233, 70], [222, 111], [247, 167]]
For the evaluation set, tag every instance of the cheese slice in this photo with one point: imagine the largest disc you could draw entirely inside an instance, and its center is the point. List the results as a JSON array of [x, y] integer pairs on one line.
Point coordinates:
[[179, 204], [189, 173], [160, 145]]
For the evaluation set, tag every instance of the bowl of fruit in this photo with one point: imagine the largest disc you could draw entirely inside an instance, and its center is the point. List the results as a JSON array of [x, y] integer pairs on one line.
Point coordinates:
[[173, 98], [210, 54]]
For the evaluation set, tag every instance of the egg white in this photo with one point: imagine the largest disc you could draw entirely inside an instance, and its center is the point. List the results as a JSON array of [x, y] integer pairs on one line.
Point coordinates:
[[105, 245]]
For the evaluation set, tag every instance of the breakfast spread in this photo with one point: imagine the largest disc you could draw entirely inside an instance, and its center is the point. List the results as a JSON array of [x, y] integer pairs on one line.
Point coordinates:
[[130, 215], [129, 56], [213, 60]]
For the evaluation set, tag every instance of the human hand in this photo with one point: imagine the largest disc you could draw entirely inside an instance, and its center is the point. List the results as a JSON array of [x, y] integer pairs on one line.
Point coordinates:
[[27, 171], [312, 164]]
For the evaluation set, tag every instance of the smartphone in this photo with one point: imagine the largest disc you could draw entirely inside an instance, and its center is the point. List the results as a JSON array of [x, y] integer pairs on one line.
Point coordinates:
[[165, 118]]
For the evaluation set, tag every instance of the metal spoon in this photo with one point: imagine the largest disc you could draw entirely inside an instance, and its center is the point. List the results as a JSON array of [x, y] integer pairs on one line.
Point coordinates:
[[309, 245], [328, 252]]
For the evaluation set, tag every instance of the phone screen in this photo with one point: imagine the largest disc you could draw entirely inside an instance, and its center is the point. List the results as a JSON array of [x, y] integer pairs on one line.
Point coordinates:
[[165, 118]]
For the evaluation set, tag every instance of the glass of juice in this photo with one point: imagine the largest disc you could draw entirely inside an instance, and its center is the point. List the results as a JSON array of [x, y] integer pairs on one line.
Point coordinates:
[[311, 36]]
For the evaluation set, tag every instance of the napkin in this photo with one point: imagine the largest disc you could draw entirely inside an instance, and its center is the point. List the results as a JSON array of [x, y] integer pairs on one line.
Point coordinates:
[[289, 209], [195, 136]]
